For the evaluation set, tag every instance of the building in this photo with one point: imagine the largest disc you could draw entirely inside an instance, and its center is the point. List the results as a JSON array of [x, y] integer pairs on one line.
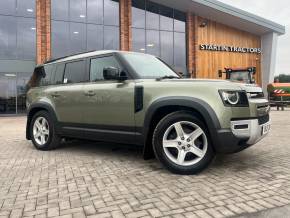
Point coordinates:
[[199, 37]]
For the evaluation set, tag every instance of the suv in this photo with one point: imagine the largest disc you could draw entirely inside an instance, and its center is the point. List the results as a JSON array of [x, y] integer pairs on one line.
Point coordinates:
[[137, 99]]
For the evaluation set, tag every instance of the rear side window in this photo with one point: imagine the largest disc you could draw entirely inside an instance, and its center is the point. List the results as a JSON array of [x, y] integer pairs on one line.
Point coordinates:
[[47, 74], [74, 72], [58, 78], [98, 64]]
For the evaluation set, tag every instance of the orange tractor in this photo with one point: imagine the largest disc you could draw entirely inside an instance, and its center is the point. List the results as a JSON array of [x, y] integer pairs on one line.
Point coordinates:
[[279, 94]]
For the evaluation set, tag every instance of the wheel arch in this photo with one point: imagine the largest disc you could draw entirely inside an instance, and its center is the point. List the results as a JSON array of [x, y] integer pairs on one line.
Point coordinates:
[[164, 106], [33, 109]]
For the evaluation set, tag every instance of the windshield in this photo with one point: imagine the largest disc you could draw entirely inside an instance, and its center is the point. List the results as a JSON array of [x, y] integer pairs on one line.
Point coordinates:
[[240, 76], [149, 67]]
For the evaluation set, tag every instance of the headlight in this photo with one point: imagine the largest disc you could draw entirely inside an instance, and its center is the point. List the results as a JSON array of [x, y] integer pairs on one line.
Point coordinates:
[[234, 98]]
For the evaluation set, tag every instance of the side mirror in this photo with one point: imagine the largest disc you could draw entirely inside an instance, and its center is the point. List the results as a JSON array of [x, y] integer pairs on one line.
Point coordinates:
[[112, 73]]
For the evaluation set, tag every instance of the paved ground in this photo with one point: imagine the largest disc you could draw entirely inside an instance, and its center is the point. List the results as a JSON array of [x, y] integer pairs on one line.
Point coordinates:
[[104, 180]]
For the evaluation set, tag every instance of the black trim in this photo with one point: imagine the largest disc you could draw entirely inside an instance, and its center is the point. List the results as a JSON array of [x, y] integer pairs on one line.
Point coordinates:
[[227, 143], [108, 133], [261, 119], [138, 96]]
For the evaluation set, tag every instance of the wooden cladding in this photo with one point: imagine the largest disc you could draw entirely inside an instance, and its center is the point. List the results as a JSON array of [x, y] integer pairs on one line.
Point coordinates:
[[208, 63]]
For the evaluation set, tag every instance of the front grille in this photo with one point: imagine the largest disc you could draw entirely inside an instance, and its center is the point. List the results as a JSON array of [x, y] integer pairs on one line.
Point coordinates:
[[264, 119]]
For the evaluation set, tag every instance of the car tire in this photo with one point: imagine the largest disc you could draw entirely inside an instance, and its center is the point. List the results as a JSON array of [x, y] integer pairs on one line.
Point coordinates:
[[42, 132], [182, 144]]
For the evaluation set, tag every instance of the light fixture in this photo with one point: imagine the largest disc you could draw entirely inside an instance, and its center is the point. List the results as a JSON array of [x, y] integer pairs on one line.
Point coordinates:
[[204, 23], [33, 28], [10, 75], [76, 32], [29, 10], [142, 49], [82, 16], [150, 45]]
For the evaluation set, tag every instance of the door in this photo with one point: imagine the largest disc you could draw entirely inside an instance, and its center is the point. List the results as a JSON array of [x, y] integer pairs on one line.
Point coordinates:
[[67, 93], [109, 104]]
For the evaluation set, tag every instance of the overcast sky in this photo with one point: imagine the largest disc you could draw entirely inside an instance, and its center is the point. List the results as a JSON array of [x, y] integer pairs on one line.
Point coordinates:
[[277, 11]]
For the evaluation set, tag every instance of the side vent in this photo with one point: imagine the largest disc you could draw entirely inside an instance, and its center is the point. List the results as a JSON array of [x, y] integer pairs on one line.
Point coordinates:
[[139, 90]]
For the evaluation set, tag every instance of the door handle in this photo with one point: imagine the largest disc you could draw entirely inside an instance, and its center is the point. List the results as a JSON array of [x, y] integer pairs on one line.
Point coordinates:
[[90, 93]]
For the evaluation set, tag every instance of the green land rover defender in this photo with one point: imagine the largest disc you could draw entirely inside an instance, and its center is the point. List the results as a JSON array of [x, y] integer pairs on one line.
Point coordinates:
[[138, 99]]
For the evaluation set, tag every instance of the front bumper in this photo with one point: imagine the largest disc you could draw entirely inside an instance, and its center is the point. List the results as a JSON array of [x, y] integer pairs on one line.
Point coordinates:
[[243, 134]]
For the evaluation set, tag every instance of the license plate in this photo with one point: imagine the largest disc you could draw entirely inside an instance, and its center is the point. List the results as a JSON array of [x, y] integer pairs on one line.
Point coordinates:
[[266, 129]]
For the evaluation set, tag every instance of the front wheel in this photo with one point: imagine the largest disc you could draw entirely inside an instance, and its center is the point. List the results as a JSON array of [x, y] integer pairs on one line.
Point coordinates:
[[182, 144], [42, 132]]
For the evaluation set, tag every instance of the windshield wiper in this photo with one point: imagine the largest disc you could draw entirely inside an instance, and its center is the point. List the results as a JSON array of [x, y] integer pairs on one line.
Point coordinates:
[[168, 77]]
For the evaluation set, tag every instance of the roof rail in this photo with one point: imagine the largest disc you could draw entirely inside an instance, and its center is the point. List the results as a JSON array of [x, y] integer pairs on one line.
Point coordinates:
[[57, 59]]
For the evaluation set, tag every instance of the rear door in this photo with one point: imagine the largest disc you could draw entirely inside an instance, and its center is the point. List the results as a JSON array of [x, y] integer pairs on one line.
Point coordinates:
[[68, 92]]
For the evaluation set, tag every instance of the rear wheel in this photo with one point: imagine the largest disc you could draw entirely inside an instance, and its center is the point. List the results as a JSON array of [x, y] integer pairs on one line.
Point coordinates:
[[42, 132], [181, 142]]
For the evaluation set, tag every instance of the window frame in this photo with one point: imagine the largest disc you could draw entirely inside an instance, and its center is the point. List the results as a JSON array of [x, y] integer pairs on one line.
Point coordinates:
[[51, 79], [123, 67], [84, 71]]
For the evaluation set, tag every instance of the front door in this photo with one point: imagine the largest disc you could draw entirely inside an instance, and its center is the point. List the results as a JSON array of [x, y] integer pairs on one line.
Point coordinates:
[[109, 112]]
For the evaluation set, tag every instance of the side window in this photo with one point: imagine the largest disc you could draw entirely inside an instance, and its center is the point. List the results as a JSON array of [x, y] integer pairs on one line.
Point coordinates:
[[74, 72], [58, 78], [97, 66], [47, 74]]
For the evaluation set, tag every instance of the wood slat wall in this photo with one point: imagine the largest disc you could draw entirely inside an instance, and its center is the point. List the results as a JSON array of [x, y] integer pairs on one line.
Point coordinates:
[[209, 62]]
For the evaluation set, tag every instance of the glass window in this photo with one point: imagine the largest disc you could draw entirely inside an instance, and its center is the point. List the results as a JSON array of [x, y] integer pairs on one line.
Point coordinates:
[[58, 78], [179, 52], [26, 38], [152, 43], [95, 37], [148, 66], [8, 93], [166, 18], [8, 7], [47, 73], [111, 10], [179, 21], [22, 88], [8, 37], [26, 8], [138, 40], [98, 64], [138, 13], [95, 11], [163, 24], [77, 11], [60, 38], [152, 15], [59, 9], [111, 40], [74, 72], [166, 40], [77, 38], [80, 25]]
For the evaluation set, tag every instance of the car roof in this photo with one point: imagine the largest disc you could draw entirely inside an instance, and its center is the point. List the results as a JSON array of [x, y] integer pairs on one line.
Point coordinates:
[[86, 55]]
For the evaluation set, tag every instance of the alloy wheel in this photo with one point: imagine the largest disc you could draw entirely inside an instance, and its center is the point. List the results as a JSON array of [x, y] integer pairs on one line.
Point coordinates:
[[41, 130], [185, 143]]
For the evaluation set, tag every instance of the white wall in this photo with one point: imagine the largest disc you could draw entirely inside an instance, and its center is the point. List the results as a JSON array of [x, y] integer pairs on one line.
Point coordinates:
[[268, 62]]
